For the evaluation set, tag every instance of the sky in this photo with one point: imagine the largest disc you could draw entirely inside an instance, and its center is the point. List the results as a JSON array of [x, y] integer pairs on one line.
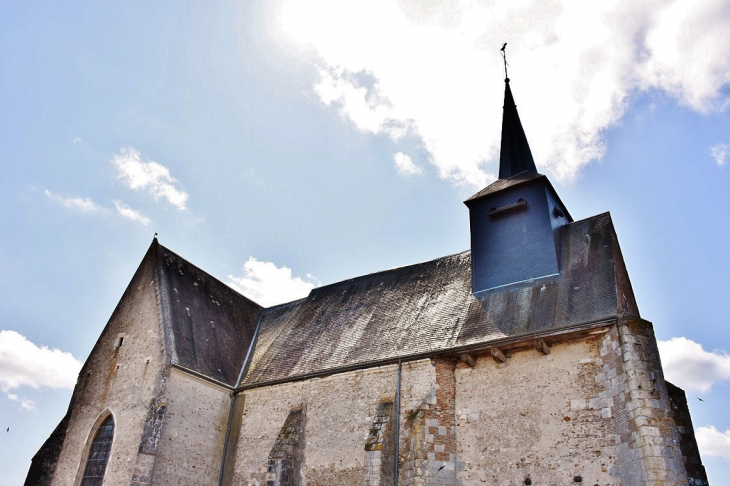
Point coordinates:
[[281, 145]]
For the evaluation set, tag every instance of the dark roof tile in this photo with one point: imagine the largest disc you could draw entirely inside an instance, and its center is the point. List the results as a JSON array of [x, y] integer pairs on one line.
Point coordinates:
[[501, 184], [208, 325], [429, 307]]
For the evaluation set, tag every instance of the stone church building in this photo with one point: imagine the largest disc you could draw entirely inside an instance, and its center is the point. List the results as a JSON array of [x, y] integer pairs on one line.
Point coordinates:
[[521, 361]]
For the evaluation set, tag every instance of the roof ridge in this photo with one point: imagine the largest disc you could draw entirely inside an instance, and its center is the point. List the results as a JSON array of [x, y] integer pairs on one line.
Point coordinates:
[[385, 271]]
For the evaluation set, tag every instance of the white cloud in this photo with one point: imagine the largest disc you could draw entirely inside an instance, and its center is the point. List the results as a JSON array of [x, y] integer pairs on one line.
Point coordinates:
[[267, 284], [84, 205], [130, 213], [720, 152], [712, 442], [405, 165], [22, 363], [433, 70], [77, 140], [685, 50], [88, 206], [151, 176], [25, 403], [689, 366]]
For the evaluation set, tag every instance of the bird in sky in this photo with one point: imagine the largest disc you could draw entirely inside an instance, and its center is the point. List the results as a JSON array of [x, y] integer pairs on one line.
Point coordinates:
[[698, 398], [7, 430]]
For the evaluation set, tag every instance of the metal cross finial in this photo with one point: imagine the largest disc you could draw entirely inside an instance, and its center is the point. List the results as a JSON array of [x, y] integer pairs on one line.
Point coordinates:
[[504, 57]]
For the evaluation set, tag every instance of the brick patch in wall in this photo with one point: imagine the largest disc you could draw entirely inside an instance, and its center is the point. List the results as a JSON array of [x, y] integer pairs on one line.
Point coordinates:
[[428, 454]]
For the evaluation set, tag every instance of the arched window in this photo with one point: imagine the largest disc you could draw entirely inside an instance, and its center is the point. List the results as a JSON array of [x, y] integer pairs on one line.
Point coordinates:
[[99, 451]]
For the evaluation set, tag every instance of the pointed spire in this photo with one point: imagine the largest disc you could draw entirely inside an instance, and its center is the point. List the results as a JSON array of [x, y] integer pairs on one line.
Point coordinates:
[[515, 155]]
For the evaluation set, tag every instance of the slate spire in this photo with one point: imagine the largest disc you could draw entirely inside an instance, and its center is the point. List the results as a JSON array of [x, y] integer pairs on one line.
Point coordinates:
[[515, 155]]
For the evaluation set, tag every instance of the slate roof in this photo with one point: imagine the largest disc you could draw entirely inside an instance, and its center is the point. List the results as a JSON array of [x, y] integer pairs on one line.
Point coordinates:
[[412, 310], [208, 326], [501, 184], [429, 307], [514, 155]]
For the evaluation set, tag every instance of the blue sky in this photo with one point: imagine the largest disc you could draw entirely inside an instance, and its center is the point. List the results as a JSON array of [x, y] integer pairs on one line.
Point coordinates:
[[282, 145]]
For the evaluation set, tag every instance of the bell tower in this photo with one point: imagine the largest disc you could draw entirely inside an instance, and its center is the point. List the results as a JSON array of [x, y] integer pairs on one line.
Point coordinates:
[[513, 220]]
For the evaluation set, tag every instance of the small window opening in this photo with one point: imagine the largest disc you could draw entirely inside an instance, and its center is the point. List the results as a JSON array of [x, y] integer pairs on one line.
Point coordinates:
[[119, 341], [557, 212]]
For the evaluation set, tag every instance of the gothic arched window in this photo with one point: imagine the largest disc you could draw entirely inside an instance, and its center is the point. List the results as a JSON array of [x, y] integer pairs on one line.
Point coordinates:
[[99, 451]]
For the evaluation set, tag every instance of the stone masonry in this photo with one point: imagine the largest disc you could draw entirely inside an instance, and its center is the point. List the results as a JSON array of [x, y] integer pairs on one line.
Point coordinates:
[[687, 443], [285, 458], [145, 462], [428, 455], [649, 451], [124, 373], [380, 447], [44, 462], [193, 434], [535, 417]]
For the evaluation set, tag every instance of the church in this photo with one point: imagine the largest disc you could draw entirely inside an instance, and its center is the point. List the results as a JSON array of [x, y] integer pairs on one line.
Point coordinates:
[[520, 361]]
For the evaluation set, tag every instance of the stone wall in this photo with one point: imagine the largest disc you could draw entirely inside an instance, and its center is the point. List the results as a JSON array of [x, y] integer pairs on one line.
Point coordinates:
[[594, 411], [428, 455], [648, 440], [340, 413], [380, 446], [43, 464], [193, 434], [122, 380], [535, 419], [285, 459], [687, 443], [145, 462]]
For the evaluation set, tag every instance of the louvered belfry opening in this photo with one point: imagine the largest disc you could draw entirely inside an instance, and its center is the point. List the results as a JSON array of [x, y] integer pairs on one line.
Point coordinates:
[[99, 452]]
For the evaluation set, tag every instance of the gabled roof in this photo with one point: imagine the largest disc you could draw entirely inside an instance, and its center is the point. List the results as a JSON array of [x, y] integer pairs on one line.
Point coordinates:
[[522, 178], [208, 326], [381, 317], [429, 307]]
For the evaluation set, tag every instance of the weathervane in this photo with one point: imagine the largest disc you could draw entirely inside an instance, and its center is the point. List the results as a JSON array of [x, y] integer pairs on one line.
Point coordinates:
[[504, 57]]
